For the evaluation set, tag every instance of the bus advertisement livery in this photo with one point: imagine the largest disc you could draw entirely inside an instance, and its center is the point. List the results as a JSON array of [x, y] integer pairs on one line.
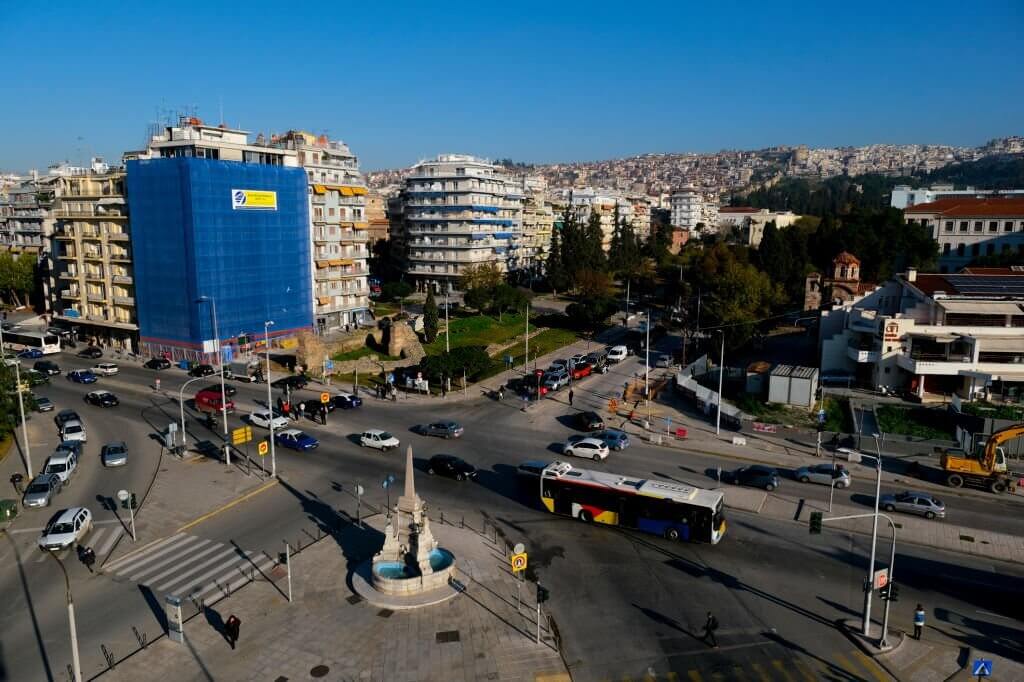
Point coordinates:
[[47, 343], [672, 510]]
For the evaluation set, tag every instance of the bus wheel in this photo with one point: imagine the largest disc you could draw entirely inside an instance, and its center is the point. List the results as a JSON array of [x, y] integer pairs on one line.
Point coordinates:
[[672, 534], [955, 480], [585, 516]]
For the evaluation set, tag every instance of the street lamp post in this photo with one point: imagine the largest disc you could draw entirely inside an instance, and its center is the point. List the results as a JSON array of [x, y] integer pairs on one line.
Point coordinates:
[[721, 376], [21, 408], [869, 586], [220, 366], [75, 662], [181, 408], [447, 329], [647, 357], [270, 405]]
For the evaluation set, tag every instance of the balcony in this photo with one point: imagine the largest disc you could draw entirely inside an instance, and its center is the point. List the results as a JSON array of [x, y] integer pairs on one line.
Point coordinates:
[[118, 236], [120, 256], [122, 279], [124, 300], [94, 275], [93, 255], [68, 275], [68, 293], [97, 298], [863, 356], [68, 255]]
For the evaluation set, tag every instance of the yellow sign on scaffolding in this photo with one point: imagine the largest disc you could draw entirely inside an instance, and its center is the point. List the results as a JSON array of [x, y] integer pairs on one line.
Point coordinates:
[[241, 435]]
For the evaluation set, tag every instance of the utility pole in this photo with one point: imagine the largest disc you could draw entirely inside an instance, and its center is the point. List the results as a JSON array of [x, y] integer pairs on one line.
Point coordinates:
[[526, 358], [721, 376], [447, 329], [75, 662], [270, 404], [21, 410]]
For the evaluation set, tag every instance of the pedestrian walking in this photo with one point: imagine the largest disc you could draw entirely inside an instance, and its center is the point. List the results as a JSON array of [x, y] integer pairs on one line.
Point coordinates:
[[710, 625], [87, 556], [323, 414], [918, 621], [156, 382], [571, 394], [16, 480], [231, 630], [301, 412]]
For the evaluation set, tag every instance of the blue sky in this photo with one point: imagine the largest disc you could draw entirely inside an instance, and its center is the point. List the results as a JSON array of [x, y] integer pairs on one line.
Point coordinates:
[[535, 82]]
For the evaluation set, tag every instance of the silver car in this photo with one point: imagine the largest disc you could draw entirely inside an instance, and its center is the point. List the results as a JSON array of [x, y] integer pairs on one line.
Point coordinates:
[[913, 502], [114, 454], [41, 491], [824, 474]]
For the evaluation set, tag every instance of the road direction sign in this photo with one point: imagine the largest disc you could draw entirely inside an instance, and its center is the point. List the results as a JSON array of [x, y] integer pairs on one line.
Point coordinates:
[[241, 435], [263, 448], [881, 578], [329, 364], [519, 561], [821, 416], [982, 667], [325, 397]]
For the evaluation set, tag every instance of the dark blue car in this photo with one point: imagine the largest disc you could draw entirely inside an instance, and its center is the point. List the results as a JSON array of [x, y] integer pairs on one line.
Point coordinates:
[[82, 376], [31, 353], [294, 439], [346, 401]]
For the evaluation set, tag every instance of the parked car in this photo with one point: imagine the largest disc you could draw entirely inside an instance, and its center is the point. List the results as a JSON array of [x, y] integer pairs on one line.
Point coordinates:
[[757, 476], [576, 359], [229, 390], [114, 454], [261, 418], [912, 502], [65, 416], [202, 371], [824, 474], [295, 440], [92, 352], [614, 438], [30, 354], [62, 464], [617, 353], [211, 401], [589, 421], [375, 438], [67, 527], [82, 376], [73, 430], [41, 490], [346, 401], [590, 448], [581, 369], [74, 446], [44, 404], [450, 466], [295, 382], [559, 365], [663, 360], [35, 378], [47, 367], [555, 380], [106, 369], [102, 399], [598, 362], [443, 429], [157, 363]]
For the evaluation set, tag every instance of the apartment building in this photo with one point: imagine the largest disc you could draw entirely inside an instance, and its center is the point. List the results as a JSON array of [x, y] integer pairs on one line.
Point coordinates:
[[687, 208], [338, 228], [968, 227], [933, 334], [90, 279], [904, 196], [458, 211], [538, 223], [26, 215], [377, 217], [747, 224]]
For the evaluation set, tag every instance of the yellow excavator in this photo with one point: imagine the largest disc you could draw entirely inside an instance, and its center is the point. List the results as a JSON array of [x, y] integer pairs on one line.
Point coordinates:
[[986, 471]]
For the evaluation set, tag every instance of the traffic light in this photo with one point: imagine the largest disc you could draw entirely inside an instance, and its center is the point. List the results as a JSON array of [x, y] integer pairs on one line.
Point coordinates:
[[542, 594], [816, 519], [892, 592]]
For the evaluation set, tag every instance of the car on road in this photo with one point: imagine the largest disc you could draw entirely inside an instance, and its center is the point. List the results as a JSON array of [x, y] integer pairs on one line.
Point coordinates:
[[589, 448], [576, 359], [82, 376], [67, 527], [617, 353], [295, 440], [912, 502], [209, 400], [73, 430], [44, 404], [157, 363], [375, 438], [229, 390], [62, 463], [613, 438], [35, 378], [559, 365], [824, 474], [41, 490], [756, 476], [589, 421], [442, 429], [47, 367], [74, 446], [531, 469], [581, 369], [555, 380], [450, 466], [30, 354], [65, 416], [114, 454], [92, 352], [663, 360], [202, 371], [107, 369], [261, 418], [295, 382], [346, 401], [102, 399]]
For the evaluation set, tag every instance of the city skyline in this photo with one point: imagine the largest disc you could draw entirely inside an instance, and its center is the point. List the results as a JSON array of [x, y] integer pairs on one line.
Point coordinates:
[[545, 86]]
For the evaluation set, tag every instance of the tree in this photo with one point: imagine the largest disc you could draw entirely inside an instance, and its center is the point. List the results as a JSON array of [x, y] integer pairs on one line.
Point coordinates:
[[430, 317], [472, 360], [592, 249], [482, 276], [506, 297], [395, 291], [554, 270], [18, 276], [593, 284]]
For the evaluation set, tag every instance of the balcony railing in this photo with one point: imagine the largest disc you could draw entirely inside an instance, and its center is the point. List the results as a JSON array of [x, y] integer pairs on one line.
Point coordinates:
[[122, 279], [68, 275], [124, 300]]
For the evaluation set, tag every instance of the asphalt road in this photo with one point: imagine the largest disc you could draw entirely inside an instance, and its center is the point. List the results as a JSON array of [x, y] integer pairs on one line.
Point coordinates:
[[625, 603]]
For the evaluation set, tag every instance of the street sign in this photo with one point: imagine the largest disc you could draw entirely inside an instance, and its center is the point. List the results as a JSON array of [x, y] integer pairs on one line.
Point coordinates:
[[881, 578], [519, 548], [263, 448], [241, 435], [519, 561], [982, 667], [325, 397], [821, 416], [391, 377], [329, 364]]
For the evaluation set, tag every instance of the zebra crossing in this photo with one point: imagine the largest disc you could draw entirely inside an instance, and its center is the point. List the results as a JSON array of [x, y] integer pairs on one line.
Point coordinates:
[[192, 567], [102, 540]]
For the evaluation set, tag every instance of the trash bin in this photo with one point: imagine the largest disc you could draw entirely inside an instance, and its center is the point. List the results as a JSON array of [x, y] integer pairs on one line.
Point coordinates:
[[184, 364], [8, 509]]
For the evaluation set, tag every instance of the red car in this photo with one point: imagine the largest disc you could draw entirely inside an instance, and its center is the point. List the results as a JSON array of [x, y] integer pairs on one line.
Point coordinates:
[[582, 369]]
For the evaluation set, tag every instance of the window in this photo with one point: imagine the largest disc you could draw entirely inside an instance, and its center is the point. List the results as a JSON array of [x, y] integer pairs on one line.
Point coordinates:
[[1008, 226], [330, 211], [963, 225], [945, 249], [977, 226], [949, 226], [993, 226]]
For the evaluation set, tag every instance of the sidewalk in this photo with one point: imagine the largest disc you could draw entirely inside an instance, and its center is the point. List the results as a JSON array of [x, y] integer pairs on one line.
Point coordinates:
[[329, 632]]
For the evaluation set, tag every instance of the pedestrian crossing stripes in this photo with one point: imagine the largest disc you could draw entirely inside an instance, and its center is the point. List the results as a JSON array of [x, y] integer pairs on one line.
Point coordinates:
[[852, 666], [100, 539], [191, 567]]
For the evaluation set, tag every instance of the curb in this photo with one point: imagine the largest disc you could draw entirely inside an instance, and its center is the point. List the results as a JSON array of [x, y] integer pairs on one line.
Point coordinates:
[[848, 628], [228, 505]]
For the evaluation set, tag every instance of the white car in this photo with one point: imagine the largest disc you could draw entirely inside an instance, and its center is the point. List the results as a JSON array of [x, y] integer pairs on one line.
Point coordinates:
[[375, 438], [66, 528], [261, 418], [105, 369], [73, 430], [589, 448], [617, 353]]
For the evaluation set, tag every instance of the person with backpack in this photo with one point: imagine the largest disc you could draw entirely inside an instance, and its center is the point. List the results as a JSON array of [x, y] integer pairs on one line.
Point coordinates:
[[710, 625]]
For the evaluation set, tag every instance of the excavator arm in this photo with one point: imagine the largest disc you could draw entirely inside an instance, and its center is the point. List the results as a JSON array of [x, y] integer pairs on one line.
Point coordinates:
[[988, 458]]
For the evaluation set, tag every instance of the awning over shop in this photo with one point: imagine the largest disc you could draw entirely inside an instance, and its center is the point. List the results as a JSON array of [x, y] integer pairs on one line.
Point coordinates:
[[346, 261], [335, 262], [981, 307], [319, 189], [346, 191]]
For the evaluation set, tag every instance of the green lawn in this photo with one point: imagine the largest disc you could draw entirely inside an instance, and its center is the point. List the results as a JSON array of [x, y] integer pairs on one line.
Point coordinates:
[[984, 409], [384, 309], [547, 341], [361, 353], [478, 330], [919, 422]]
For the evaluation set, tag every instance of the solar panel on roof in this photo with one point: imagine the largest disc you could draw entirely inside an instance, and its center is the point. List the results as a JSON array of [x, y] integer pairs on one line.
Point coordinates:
[[972, 284]]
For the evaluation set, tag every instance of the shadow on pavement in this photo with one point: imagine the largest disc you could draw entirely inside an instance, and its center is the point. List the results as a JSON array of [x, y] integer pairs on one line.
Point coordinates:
[[982, 635], [155, 606]]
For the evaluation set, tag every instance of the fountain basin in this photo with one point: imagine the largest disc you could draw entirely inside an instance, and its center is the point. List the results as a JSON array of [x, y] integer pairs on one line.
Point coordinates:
[[393, 577]]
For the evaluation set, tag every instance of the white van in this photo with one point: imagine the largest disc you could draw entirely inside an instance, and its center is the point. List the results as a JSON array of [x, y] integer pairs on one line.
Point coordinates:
[[617, 353], [63, 463]]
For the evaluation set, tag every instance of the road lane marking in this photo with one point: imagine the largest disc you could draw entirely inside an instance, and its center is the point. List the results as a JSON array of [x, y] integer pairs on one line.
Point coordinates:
[[223, 569], [42, 528], [238, 500], [109, 544], [765, 677], [137, 572], [261, 567], [225, 559], [132, 555], [141, 560], [994, 615], [777, 664], [804, 671], [872, 667]]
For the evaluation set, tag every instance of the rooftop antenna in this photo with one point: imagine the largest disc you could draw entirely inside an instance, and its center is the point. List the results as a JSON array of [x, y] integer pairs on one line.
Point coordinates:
[[220, 98]]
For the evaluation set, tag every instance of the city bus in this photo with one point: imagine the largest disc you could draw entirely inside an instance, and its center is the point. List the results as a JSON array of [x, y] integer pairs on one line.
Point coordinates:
[[671, 510], [19, 340]]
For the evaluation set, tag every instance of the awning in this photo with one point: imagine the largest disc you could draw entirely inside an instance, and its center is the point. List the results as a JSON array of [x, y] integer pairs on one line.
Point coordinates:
[[335, 262], [981, 307], [323, 300], [345, 261], [346, 191], [344, 224], [359, 191], [321, 264], [319, 189], [1000, 344], [362, 226], [936, 338]]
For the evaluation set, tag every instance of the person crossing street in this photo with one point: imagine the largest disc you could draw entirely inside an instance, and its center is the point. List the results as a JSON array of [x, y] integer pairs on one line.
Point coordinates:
[[918, 621]]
